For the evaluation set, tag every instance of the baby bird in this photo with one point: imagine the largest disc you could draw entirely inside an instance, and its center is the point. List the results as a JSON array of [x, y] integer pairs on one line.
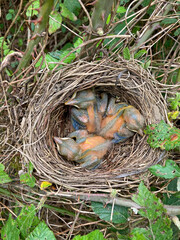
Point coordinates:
[[86, 116], [135, 122], [68, 148], [93, 150], [102, 103], [82, 99]]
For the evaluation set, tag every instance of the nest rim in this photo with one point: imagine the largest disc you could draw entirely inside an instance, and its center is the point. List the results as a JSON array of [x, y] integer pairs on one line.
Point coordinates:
[[47, 105]]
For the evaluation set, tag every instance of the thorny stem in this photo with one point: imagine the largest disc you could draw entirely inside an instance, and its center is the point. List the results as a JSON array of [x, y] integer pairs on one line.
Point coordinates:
[[40, 28]]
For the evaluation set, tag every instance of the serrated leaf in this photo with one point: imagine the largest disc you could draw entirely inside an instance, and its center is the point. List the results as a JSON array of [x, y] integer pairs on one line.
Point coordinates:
[[31, 10], [66, 13], [4, 177], [140, 234], [170, 170], [153, 210], [126, 53], [10, 231], [169, 21], [45, 184], [41, 232], [55, 21], [177, 32], [95, 235], [25, 220], [73, 6], [28, 179], [139, 53], [162, 135], [120, 213]]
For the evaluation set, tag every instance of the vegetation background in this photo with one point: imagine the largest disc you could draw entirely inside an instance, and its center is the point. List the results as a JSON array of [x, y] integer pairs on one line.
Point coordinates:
[[41, 35]]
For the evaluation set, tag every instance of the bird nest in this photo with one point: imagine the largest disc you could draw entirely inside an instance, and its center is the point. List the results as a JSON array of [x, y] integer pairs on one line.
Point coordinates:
[[47, 116]]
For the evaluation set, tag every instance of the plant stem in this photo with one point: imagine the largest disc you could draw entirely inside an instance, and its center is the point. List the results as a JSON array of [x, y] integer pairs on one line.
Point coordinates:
[[104, 198], [42, 23], [59, 210], [150, 29]]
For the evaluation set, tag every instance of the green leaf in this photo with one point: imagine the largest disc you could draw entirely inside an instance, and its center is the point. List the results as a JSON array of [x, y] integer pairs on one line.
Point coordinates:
[[28, 179], [108, 19], [95, 235], [153, 210], [126, 53], [140, 234], [168, 21], [147, 64], [9, 16], [120, 213], [78, 42], [25, 220], [121, 9], [139, 53], [31, 10], [170, 170], [4, 178], [73, 6], [162, 135], [66, 13], [10, 231], [177, 32], [55, 21], [41, 232], [175, 102]]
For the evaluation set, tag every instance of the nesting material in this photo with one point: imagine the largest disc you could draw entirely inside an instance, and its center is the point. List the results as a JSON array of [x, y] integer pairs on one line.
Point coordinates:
[[47, 116]]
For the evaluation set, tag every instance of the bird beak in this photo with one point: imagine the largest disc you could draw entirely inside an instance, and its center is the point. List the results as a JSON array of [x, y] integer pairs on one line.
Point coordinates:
[[140, 132], [57, 140]]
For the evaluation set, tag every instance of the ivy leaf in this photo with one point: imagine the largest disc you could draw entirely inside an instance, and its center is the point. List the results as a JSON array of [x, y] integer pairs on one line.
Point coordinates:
[[162, 135], [55, 21], [139, 53], [170, 170], [10, 231], [66, 13], [153, 210], [120, 213], [4, 178], [31, 10], [126, 53], [41, 232], [91, 236], [25, 220]]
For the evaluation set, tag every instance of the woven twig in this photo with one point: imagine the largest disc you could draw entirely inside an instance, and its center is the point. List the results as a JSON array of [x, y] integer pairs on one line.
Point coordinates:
[[47, 116]]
